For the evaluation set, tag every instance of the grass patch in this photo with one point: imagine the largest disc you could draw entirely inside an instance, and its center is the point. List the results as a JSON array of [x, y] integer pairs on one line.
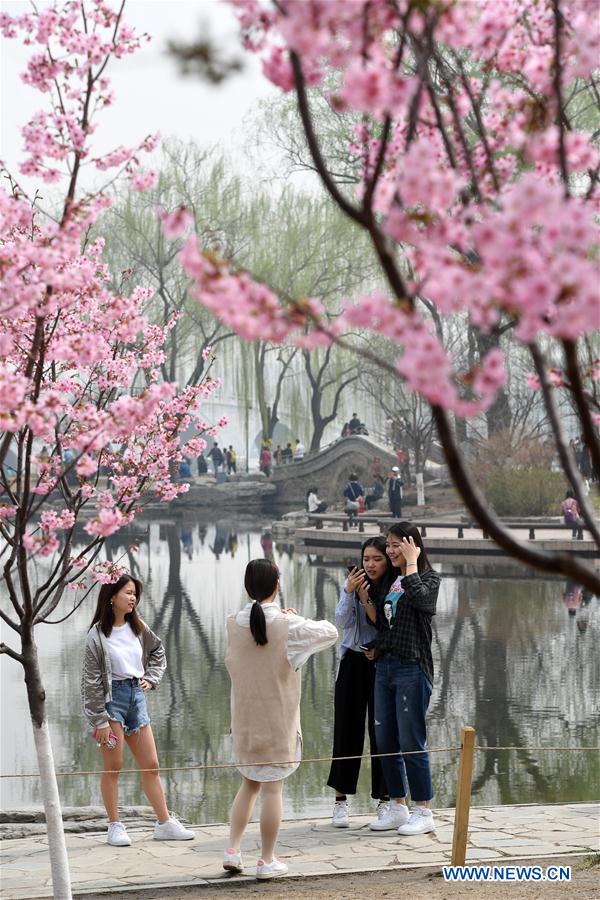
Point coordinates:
[[588, 862]]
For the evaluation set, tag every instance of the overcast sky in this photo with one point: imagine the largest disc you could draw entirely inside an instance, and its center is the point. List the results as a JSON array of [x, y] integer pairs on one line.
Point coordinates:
[[151, 95]]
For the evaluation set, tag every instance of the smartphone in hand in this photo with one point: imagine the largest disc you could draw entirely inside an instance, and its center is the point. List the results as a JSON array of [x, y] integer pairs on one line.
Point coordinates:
[[368, 646]]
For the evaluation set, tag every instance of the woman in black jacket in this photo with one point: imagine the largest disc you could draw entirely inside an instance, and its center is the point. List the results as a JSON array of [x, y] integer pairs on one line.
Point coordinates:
[[403, 681]]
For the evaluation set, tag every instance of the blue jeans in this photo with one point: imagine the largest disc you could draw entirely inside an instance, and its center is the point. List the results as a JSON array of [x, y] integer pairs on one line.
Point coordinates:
[[402, 695], [128, 705]]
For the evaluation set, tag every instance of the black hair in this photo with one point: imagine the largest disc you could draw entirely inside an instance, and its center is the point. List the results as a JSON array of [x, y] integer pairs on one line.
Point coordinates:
[[353, 476], [405, 529], [104, 612], [378, 541], [260, 582], [569, 494]]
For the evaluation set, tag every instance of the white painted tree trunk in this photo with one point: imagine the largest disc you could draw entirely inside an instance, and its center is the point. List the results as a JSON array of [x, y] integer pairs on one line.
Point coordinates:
[[420, 490], [57, 848]]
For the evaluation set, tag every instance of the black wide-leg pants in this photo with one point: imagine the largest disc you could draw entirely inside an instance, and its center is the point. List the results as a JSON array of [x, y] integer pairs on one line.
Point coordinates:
[[353, 705]]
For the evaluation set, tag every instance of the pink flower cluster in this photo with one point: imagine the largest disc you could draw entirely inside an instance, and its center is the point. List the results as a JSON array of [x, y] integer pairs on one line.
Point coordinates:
[[72, 350], [471, 182]]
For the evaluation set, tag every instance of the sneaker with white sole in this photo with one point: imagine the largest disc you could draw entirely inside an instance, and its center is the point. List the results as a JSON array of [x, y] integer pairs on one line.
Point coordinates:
[[172, 830], [382, 808], [117, 835], [340, 817], [420, 821], [270, 870], [395, 815], [232, 860]]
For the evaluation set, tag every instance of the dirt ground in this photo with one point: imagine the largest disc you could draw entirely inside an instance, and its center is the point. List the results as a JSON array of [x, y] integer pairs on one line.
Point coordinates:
[[404, 884]]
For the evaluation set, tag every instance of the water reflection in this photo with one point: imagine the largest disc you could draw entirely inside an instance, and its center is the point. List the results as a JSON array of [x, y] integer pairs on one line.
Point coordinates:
[[513, 658]]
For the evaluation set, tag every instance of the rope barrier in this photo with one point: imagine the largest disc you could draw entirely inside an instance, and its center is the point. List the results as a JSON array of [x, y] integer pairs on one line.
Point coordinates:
[[308, 760]]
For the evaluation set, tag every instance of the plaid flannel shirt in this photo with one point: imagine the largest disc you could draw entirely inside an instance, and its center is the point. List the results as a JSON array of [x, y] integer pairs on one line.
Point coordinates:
[[408, 636]]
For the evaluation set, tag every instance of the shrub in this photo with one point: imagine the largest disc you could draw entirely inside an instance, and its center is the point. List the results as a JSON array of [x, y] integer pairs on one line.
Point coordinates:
[[531, 491]]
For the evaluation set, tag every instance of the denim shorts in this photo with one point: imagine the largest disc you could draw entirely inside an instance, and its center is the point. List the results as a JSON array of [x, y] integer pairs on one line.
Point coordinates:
[[128, 705]]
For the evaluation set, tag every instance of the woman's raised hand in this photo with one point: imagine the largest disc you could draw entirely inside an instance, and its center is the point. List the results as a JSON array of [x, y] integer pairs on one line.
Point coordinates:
[[363, 592], [410, 551], [356, 578]]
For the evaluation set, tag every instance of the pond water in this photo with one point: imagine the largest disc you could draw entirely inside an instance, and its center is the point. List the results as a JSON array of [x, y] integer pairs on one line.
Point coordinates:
[[516, 657]]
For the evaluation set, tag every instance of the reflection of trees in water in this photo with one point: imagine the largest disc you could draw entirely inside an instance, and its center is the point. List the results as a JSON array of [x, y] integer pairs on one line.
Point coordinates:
[[168, 620], [495, 723], [508, 661], [174, 620], [511, 669]]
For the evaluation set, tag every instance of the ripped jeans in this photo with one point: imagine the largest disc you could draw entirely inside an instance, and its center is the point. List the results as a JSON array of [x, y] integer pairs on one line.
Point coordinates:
[[402, 695]]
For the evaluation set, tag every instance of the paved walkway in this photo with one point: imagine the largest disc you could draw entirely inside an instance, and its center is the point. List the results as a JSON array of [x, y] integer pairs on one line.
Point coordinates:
[[309, 846]]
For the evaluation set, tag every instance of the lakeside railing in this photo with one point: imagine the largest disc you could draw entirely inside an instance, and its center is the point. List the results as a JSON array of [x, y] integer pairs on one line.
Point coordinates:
[[384, 520], [466, 752]]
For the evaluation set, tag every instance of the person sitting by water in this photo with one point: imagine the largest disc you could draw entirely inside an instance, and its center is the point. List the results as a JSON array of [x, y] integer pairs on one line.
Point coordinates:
[[570, 511], [354, 685], [353, 492], [313, 504], [266, 646], [376, 492], [185, 469]]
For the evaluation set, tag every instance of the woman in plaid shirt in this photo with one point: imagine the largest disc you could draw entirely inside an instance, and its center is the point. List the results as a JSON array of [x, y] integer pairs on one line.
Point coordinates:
[[403, 680]]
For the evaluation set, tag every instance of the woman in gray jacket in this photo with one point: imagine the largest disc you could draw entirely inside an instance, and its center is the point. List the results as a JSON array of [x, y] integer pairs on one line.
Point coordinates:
[[123, 660]]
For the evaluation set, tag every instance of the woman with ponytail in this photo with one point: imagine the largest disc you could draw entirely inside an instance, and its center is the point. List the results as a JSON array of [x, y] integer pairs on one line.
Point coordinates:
[[267, 646]]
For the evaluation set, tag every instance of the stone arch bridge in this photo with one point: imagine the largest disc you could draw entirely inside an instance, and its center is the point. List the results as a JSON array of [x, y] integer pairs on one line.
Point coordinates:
[[329, 469]]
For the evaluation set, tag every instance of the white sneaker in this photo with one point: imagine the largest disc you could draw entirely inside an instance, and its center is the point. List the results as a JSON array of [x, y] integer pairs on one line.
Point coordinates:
[[172, 830], [382, 808], [117, 836], [270, 870], [232, 860], [420, 821], [395, 815], [340, 814]]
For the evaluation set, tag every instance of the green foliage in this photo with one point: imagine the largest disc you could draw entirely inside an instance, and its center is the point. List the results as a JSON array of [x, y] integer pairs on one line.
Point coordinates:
[[531, 491]]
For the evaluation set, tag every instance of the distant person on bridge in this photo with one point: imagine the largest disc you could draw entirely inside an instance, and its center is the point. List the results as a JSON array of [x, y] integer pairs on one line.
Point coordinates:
[[403, 681], [354, 424], [288, 454], [353, 493], [299, 451], [395, 493], [278, 455], [346, 430], [266, 646], [355, 682]]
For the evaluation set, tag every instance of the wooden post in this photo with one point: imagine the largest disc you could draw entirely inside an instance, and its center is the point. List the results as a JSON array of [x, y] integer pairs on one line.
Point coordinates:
[[463, 797]]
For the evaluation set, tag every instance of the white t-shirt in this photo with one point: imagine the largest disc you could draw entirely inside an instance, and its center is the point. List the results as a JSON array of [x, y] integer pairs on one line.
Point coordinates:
[[125, 652], [312, 502]]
